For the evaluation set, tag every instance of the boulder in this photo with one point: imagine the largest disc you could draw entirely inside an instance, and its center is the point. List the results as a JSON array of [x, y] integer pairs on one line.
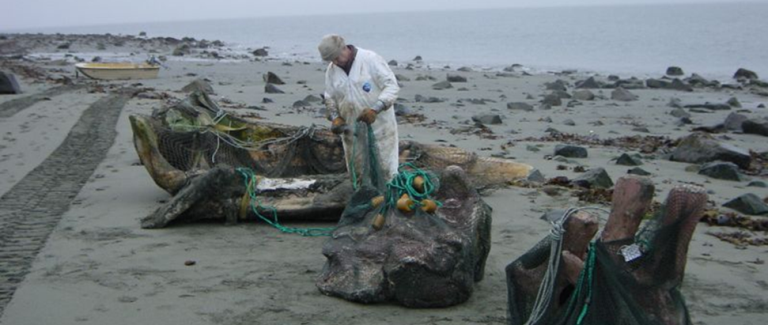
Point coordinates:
[[680, 113], [442, 85], [698, 148], [631, 83], [536, 177], [656, 83], [272, 89], [301, 104], [594, 178], [465, 69], [489, 119], [199, 85], [260, 52], [696, 80], [746, 74], [675, 71], [312, 99], [583, 94], [629, 160], [675, 102], [422, 261], [710, 106], [638, 171], [182, 50], [392, 63], [552, 100], [623, 95], [734, 102], [590, 83], [722, 170], [569, 122], [748, 204], [570, 151], [8, 84], [678, 84], [520, 106], [272, 78], [456, 78], [402, 110], [733, 121], [759, 127], [759, 184], [558, 84]]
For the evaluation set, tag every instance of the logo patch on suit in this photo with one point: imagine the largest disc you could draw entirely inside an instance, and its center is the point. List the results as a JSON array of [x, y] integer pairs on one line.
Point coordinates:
[[367, 86]]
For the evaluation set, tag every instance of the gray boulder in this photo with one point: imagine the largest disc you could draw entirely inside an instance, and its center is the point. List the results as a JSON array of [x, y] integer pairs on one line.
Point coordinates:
[[629, 160], [746, 74], [492, 119], [748, 204], [759, 127], [583, 94], [623, 95], [589, 83], [272, 89], [699, 148], [638, 171], [594, 178], [733, 121], [8, 84], [710, 106], [734, 102], [680, 113], [657, 83], [552, 100], [262, 52], [392, 63], [182, 50], [558, 85], [674, 71], [456, 78], [722, 170], [520, 106], [570, 151], [442, 85], [272, 78]]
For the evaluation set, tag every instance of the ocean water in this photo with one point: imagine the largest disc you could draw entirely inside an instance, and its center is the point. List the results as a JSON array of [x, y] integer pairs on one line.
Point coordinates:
[[710, 39]]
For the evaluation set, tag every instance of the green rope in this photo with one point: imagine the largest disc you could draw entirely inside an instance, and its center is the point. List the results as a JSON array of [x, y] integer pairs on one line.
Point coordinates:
[[250, 184], [402, 183], [588, 270]]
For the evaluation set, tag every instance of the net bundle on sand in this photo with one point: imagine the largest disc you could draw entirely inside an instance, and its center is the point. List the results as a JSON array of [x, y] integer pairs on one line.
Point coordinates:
[[625, 276]]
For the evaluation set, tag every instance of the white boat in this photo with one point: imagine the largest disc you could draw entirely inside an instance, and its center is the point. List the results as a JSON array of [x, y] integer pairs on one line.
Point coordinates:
[[118, 71]]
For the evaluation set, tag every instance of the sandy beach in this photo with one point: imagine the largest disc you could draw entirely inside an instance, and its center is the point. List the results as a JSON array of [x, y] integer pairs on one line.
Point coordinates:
[[73, 189]]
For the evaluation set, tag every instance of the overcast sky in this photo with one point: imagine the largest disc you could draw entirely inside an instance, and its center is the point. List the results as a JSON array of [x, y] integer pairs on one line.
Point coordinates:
[[23, 14]]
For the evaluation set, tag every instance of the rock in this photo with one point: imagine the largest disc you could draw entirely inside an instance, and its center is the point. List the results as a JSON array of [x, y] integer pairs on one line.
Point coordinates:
[[442, 85], [561, 94], [759, 184], [734, 102], [678, 84], [570, 151], [266, 100], [557, 85], [590, 83], [629, 160], [675, 71], [746, 74], [733, 121], [761, 106], [758, 83], [488, 119], [623, 95], [417, 58], [675, 102], [520, 106], [594, 178], [722, 170], [260, 52], [392, 63], [569, 122], [583, 94], [680, 113], [402, 110], [632, 83], [272, 78], [421, 261], [696, 80], [96, 59], [422, 99], [536, 177], [400, 77], [312, 99], [638, 171], [455, 78], [8, 84], [657, 83], [182, 50], [272, 89], [759, 127], [465, 69], [699, 148], [710, 106], [552, 100], [748, 204], [300, 104], [199, 85]]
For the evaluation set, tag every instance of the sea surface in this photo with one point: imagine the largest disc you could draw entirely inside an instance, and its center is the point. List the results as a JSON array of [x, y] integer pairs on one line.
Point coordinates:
[[713, 40]]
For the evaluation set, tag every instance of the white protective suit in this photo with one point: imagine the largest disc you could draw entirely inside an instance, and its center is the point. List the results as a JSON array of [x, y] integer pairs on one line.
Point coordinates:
[[370, 80]]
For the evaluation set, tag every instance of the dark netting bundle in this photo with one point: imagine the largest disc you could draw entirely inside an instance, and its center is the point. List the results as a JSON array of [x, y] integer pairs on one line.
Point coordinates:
[[419, 240], [633, 279]]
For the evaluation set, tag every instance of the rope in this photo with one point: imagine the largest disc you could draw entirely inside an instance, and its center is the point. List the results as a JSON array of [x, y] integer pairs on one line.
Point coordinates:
[[589, 267], [250, 184], [402, 183], [546, 288]]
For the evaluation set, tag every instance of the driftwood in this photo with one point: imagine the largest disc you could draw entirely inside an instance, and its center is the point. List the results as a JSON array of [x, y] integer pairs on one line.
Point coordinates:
[[416, 260], [656, 274], [180, 146]]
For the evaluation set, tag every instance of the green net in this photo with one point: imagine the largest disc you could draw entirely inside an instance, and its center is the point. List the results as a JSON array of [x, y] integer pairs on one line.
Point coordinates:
[[612, 288]]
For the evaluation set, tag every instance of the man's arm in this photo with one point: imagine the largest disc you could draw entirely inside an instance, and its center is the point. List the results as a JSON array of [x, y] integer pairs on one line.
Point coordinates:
[[386, 80]]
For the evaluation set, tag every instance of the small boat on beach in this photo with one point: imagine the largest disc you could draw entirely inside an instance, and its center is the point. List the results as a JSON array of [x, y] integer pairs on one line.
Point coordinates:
[[118, 71]]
